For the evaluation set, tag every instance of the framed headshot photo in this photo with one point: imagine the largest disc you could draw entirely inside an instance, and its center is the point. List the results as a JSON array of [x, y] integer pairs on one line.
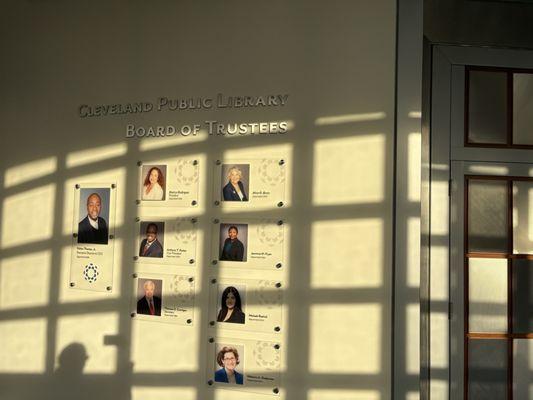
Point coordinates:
[[152, 239], [231, 304], [149, 296], [235, 182], [93, 216], [229, 364], [233, 242], [153, 182]]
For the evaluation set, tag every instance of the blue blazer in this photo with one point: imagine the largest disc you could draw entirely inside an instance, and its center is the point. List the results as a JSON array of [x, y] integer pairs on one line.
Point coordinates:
[[222, 376], [230, 194]]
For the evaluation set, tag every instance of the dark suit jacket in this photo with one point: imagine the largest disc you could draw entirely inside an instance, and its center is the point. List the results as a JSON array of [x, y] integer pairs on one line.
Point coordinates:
[[87, 234], [230, 194], [237, 316], [144, 308], [155, 249], [222, 376], [235, 252]]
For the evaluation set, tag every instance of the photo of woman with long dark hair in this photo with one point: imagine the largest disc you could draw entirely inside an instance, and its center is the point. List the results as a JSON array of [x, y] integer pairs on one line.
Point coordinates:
[[154, 185], [231, 307]]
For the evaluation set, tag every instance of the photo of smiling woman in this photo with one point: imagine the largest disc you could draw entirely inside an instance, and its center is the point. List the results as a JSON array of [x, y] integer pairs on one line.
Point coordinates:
[[154, 183], [232, 249], [235, 189], [231, 307], [228, 359]]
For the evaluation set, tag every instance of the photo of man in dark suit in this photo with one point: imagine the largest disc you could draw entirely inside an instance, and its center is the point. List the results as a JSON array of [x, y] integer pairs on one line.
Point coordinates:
[[149, 304], [93, 228], [150, 246]]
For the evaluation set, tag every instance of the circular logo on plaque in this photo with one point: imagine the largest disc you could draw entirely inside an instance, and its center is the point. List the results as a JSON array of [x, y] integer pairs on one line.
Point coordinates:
[[271, 172], [182, 288], [270, 233], [90, 273], [182, 232], [267, 294], [186, 172], [266, 355]]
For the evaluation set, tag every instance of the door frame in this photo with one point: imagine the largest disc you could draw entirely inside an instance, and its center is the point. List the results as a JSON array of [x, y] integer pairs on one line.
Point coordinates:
[[442, 144]]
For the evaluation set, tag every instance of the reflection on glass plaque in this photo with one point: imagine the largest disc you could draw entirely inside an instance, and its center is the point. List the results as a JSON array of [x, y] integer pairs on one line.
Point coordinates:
[[249, 183], [487, 107], [487, 295], [163, 240], [246, 305], [487, 216], [523, 217], [163, 297], [522, 296], [522, 106], [244, 364], [169, 183], [487, 369], [91, 263], [248, 243]]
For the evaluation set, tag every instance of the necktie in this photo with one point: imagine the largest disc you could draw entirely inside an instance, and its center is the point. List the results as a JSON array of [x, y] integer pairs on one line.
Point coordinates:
[[145, 250], [151, 304]]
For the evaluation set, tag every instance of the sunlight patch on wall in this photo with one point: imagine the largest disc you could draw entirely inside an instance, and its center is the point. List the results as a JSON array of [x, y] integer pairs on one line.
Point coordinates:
[[412, 345], [415, 114], [263, 128], [90, 330], [23, 347], [349, 170], [162, 393], [413, 252], [28, 217], [347, 253], [414, 160], [438, 389], [345, 338], [412, 396], [439, 340], [439, 273], [343, 394], [154, 143], [29, 171], [439, 217], [25, 280], [96, 154], [170, 347], [346, 118]]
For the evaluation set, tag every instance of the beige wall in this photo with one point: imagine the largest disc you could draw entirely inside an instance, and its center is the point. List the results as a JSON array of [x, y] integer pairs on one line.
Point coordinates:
[[335, 59]]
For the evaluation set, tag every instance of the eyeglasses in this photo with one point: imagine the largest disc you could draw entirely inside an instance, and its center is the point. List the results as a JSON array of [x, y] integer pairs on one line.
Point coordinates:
[[229, 358]]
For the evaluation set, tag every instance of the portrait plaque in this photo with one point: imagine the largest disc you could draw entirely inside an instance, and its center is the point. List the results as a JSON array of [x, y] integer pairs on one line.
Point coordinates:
[[257, 243], [93, 236], [163, 240], [250, 183], [163, 298], [169, 183], [244, 364], [246, 305]]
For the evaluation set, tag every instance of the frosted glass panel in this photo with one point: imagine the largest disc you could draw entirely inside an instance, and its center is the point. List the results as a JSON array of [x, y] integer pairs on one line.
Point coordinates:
[[522, 296], [487, 369], [523, 217], [487, 107], [487, 216], [523, 369], [487, 295], [522, 106]]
